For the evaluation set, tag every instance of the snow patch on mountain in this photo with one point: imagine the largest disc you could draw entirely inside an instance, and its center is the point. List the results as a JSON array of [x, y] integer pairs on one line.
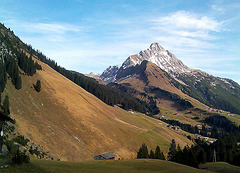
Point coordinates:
[[159, 56], [109, 75]]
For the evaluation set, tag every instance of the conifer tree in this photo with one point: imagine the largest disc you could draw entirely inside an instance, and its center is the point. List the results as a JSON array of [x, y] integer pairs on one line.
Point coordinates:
[[192, 159], [162, 156], [38, 86], [157, 153], [172, 151], [2, 76], [18, 82], [178, 154], [202, 158], [6, 105], [143, 152], [152, 155]]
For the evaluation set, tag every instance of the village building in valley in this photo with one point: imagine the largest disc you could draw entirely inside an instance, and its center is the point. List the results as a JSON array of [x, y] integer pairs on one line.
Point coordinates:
[[106, 156]]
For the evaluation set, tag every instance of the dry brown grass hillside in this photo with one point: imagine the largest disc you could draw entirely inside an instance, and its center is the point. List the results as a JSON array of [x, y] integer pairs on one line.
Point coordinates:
[[74, 125], [155, 77]]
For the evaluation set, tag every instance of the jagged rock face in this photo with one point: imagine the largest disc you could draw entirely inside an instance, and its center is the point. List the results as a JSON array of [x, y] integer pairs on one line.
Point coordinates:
[[109, 74], [92, 75], [159, 56]]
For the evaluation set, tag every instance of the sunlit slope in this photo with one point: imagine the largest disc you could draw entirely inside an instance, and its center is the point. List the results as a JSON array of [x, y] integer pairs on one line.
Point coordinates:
[[148, 75], [74, 125]]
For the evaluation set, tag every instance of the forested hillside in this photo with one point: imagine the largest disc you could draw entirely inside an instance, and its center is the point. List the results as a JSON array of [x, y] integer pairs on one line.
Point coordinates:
[[12, 58]]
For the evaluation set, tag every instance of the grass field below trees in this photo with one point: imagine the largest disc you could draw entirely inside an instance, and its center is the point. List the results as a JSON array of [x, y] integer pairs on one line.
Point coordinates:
[[132, 166]]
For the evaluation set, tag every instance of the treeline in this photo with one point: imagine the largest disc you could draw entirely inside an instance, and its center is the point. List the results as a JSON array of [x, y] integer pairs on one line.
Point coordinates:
[[3, 76], [27, 64], [151, 103], [143, 153], [12, 58], [186, 127], [13, 71], [190, 156], [223, 150], [179, 102], [222, 126], [5, 106], [108, 95]]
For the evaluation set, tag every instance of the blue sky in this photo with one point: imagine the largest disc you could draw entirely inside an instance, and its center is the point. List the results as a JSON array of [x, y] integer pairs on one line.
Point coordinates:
[[89, 35]]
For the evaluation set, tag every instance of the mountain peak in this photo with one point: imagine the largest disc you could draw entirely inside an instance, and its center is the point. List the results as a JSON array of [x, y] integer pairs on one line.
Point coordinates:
[[155, 54], [159, 56], [156, 46]]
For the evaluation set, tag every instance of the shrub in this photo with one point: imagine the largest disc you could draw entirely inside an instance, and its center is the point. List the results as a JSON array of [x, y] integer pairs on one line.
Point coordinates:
[[20, 157], [21, 140]]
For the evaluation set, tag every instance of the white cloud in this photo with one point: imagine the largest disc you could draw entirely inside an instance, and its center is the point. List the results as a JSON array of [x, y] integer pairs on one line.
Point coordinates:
[[41, 27], [184, 25], [51, 28], [191, 21]]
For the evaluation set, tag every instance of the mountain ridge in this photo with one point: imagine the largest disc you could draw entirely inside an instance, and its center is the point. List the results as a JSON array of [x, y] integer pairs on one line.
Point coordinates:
[[217, 92]]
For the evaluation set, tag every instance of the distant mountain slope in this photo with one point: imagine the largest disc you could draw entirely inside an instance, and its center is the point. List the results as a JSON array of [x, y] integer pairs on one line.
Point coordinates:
[[216, 92], [149, 83]]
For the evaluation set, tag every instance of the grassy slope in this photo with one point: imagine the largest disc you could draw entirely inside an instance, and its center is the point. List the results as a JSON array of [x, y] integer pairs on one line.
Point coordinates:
[[138, 166], [221, 167], [157, 78], [74, 125]]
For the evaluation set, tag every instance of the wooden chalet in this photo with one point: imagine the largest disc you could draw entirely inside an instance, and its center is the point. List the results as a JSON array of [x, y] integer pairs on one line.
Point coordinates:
[[106, 156]]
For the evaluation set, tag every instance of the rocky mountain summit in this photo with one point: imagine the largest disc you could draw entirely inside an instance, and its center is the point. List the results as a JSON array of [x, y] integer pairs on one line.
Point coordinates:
[[109, 74], [159, 56], [155, 54], [92, 75]]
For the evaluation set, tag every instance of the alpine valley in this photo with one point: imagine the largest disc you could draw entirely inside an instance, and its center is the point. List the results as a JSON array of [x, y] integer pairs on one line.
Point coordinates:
[[153, 101]]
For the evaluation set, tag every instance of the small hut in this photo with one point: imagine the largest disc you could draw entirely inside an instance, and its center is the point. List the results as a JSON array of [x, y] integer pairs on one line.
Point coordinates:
[[106, 156]]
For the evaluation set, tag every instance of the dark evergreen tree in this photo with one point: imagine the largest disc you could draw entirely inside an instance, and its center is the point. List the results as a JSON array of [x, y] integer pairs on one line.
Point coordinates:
[[143, 152], [192, 159], [152, 155], [13, 71], [172, 151], [18, 82], [2, 76], [201, 157], [38, 86], [157, 153], [6, 105], [179, 155], [236, 160]]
